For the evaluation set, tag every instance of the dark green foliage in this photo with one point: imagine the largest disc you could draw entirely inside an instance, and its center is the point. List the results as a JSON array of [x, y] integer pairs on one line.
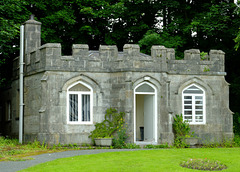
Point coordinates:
[[237, 40], [12, 14], [181, 130], [112, 122], [236, 123], [152, 38]]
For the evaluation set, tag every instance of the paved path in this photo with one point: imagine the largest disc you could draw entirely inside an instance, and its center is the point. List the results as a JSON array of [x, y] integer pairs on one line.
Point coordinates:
[[12, 166]]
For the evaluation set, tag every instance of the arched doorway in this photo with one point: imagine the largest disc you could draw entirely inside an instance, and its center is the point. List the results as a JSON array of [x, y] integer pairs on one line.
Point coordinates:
[[145, 113]]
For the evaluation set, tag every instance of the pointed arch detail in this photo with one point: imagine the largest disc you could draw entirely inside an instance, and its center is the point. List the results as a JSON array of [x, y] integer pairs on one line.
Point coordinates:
[[197, 81]]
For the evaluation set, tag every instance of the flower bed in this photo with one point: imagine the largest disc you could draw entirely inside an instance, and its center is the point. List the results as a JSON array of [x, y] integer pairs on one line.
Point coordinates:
[[204, 164]]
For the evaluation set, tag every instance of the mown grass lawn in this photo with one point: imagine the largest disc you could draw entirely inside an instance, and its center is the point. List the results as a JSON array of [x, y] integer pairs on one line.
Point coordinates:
[[143, 160]]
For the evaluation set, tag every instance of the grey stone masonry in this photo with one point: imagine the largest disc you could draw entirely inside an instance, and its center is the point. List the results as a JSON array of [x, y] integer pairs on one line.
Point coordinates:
[[108, 59], [32, 35], [143, 86]]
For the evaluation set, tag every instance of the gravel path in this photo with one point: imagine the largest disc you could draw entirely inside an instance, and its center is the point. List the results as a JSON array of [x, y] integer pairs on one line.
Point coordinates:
[[12, 166]]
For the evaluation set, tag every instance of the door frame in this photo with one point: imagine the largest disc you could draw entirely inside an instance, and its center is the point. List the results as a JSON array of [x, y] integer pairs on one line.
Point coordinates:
[[154, 115]]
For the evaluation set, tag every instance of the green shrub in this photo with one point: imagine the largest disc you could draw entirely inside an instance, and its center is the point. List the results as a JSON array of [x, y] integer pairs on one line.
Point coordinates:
[[119, 140], [236, 140], [112, 122], [181, 130]]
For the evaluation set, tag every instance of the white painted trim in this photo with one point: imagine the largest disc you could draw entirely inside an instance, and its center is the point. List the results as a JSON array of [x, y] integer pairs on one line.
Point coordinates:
[[80, 93], [155, 111], [193, 104]]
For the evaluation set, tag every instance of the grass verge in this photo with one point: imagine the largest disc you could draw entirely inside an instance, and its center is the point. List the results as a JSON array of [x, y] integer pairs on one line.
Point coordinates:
[[143, 160], [12, 150]]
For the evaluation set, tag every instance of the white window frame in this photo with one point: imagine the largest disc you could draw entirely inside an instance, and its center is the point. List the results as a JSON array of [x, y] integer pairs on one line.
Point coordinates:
[[80, 93], [194, 95]]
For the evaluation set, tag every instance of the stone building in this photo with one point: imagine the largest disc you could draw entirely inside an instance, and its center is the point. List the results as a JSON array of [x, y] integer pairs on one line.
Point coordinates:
[[65, 96]]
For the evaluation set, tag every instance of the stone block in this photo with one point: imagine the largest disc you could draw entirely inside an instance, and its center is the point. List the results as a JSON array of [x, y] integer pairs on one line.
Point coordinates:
[[81, 50], [131, 50], [192, 54], [158, 51], [108, 52]]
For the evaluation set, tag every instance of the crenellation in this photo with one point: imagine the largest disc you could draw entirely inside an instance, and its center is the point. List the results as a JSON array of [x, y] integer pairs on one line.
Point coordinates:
[[192, 54], [218, 57], [108, 52], [158, 51], [81, 50], [48, 57], [131, 50]]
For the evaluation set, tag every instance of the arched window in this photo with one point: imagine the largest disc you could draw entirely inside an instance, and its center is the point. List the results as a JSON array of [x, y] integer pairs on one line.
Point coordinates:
[[193, 101], [79, 104]]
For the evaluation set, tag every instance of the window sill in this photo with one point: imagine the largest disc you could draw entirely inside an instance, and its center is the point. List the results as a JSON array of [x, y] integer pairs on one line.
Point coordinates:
[[79, 123], [197, 123]]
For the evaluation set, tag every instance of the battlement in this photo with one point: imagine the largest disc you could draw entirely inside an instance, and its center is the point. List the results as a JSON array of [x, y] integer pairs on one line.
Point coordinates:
[[108, 59]]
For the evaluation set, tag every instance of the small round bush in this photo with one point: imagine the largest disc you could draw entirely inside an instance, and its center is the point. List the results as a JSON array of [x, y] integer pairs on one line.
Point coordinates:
[[203, 164]]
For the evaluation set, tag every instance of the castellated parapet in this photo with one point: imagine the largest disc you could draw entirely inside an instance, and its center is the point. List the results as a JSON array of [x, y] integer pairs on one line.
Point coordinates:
[[109, 59]]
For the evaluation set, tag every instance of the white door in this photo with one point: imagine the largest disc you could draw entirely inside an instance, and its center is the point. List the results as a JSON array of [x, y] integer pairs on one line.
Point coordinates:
[[148, 118]]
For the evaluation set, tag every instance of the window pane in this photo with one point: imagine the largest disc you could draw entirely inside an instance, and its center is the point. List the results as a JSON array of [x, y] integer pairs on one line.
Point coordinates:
[[79, 87], [73, 107], [188, 112], [188, 97], [198, 107], [187, 107], [188, 102], [199, 97], [85, 107], [193, 90], [199, 112], [199, 117], [145, 88], [198, 102], [188, 117]]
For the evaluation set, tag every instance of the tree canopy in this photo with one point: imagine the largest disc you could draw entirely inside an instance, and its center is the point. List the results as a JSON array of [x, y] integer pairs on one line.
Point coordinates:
[[179, 24]]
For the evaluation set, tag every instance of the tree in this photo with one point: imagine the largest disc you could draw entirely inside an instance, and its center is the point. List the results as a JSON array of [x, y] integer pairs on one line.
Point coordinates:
[[237, 40], [12, 14]]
